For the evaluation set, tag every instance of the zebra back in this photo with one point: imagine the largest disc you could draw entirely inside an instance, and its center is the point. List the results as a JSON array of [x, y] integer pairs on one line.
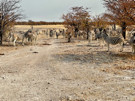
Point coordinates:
[[111, 40]]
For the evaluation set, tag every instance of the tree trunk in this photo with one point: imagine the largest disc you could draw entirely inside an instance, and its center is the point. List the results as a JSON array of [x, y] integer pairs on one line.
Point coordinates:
[[75, 34], [69, 38], [87, 31], [87, 35], [114, 26], [124, 29], [1, 36]]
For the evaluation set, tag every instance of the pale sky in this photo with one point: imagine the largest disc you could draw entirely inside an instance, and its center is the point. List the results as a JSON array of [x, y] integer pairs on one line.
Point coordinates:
[[52, 10]]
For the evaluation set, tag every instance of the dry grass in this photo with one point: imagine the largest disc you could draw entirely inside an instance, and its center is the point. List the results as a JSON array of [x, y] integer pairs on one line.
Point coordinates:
[[126, 55], [117, 70], [125, 68], [111, 70], [72, 100], [6, 48], [68, 99], [40, 26]]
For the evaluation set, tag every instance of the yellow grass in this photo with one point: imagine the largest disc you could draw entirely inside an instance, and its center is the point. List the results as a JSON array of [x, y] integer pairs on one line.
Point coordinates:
[[40, 26]]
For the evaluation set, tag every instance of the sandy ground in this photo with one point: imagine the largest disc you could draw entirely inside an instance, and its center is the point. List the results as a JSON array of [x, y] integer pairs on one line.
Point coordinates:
[[54, 70]]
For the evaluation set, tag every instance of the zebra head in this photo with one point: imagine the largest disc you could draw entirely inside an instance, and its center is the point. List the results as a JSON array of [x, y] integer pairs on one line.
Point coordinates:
[[29, 31], [104, 34]]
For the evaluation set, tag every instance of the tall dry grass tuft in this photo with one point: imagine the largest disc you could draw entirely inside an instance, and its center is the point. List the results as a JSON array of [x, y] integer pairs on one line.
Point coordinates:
[[125, 55], [125, 67]]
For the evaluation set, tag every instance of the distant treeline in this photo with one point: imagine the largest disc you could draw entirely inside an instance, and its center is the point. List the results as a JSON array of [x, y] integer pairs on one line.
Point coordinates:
[[38, 23], [46, 23]]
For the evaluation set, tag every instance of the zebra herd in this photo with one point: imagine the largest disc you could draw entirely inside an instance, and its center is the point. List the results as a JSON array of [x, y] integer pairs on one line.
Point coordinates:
[[113, 37], [108, 37], [32, 34], [103, 36], [28, 35]]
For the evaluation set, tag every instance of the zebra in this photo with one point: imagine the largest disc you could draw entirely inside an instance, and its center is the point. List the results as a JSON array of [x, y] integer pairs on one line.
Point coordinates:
[[30, 35], [98, 36], [51, 32], [38, 31], [69, 33], [62, 31], [57, 34], [130, 33], [14, 36], [132, 43], [112, 40], [89, 37]]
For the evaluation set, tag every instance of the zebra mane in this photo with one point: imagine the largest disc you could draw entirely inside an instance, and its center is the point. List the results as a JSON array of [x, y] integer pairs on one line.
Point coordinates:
[[104, 32], [30, 30]]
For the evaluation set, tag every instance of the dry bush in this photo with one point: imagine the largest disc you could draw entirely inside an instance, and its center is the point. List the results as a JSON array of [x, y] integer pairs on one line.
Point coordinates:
[[117, 70], [125, 55], [111, 70], [125, 67]]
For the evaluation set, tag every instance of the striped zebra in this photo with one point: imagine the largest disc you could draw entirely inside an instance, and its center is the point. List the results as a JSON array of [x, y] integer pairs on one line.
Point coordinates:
[[31, 36], [98, 37], [112, 40], [132, 43], [14, 36]]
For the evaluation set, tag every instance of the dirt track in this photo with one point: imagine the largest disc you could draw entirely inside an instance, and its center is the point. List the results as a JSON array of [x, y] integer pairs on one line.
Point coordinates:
[[67, 72]]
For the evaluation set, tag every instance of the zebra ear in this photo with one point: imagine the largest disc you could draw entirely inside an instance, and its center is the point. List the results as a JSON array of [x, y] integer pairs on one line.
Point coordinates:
[[133, 34], [104, 31]]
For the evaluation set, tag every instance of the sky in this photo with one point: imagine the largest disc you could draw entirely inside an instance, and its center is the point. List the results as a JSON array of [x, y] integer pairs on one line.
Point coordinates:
[[52, 10]]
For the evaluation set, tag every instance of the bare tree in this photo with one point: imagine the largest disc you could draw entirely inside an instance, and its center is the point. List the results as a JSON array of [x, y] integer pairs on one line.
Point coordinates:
[[9, 13], [121, 12]]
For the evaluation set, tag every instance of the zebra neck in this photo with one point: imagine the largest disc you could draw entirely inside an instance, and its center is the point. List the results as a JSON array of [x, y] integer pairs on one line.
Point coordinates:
[[106, 38]]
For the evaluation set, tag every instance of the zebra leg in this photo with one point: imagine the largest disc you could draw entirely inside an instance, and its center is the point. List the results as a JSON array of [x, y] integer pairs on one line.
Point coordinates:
[[133, 49], [121, 46], [35, 41], [91, 37], [89, 40], [31, 41], [23, 41], [103, 44], [14, 41], [9, 39], [97, 40], [108, 47]]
